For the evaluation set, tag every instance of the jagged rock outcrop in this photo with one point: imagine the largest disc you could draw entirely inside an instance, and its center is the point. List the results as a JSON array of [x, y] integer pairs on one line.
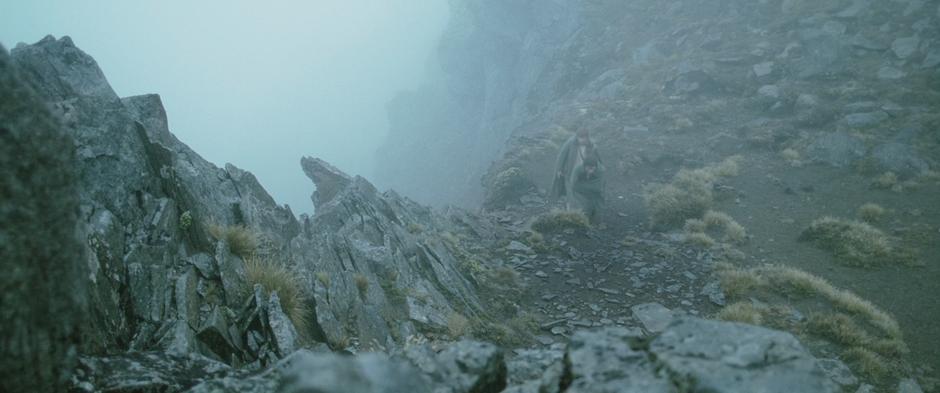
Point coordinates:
[[43, 276], [374, 267], [379, 269]]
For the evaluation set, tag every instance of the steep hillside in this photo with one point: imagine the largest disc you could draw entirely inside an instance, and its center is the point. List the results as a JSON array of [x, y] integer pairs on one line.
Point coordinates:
[[828, 109]]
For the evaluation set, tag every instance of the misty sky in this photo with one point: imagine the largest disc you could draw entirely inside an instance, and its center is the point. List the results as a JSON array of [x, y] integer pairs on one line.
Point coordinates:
[[255, 85]]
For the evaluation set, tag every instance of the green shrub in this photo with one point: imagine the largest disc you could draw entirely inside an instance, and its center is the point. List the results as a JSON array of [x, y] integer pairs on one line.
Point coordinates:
[[186, 221]]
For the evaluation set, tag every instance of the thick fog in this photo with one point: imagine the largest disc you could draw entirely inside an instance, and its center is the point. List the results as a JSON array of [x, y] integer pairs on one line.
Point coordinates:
[[255, 85]]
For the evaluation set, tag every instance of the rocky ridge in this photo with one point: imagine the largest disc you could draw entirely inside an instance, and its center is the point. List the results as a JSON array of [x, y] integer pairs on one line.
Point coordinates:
[[169, 307]]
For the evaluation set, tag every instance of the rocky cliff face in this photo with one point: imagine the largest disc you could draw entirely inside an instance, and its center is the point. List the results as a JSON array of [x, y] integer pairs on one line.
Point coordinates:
[[517, 76], [159, 292]]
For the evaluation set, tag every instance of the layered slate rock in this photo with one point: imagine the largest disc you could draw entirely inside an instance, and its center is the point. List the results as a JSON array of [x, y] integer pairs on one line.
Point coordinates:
[[44, 272], [379, 270]]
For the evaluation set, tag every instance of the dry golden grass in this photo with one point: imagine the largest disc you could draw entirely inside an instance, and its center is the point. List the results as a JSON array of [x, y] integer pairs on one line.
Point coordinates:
[[241, 240], [275, 277], [457, 325], [559, 220], [743, 312], [871, 212], [688, 195]]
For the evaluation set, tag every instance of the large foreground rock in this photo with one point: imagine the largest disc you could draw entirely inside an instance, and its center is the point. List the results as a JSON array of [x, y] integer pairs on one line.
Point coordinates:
[[41, 257], [691, 355]]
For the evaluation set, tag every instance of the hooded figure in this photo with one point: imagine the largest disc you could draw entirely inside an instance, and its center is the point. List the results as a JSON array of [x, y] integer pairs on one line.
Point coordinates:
[[571, 155], [586, 187]]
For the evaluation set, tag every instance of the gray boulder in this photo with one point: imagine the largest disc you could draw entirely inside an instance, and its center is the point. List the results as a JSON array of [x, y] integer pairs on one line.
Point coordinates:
[[654, 316], [464, 366], [864, 119], [367, 373], [837, 149], [730, 357], [145, 372], [899, 158], [905, 47], [610, 361]]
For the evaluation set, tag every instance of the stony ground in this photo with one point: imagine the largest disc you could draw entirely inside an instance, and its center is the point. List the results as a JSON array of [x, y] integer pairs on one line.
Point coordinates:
[[615, 273], [621, 272]]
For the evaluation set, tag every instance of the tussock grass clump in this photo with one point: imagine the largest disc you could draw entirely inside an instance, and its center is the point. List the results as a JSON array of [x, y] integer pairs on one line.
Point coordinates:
[[733, 231], [275, 277], [743, 312], [241, 240], [457, 325], [839, 328], [450, 239], [853, 242], [688, 195], [694, 225], [362, 284], [699, 239], [559, 220], [415, 228], [871, 212], [887, 180], [736, 282], [504, 276], [792, 157], [323, 278], [867, 361]]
